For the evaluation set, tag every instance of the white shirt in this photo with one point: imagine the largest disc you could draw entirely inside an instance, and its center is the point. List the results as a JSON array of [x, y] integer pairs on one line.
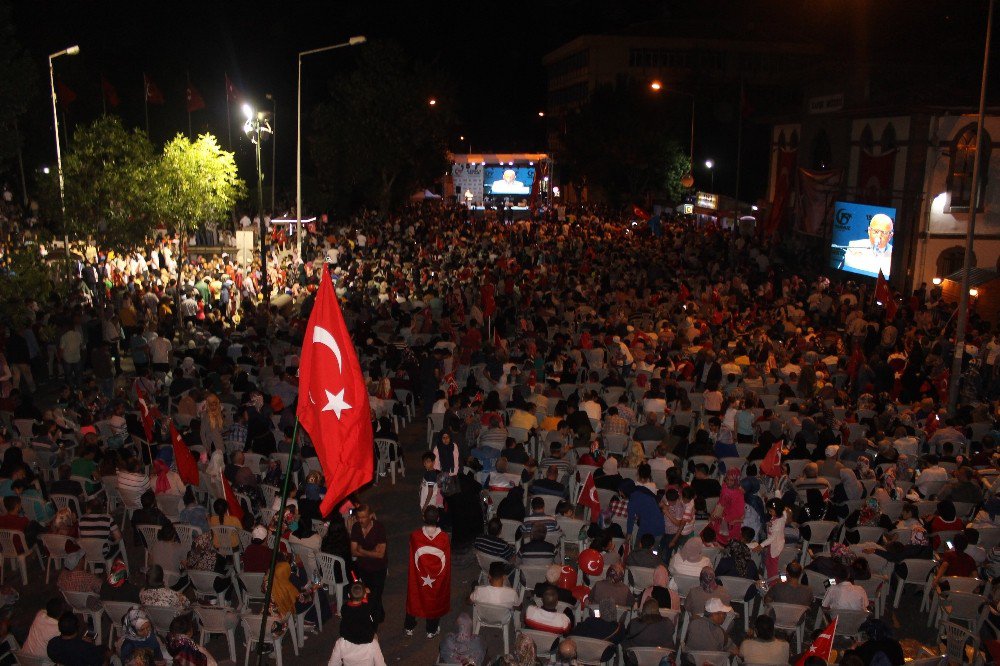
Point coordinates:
[[846, 596], [592, 408], [498, 596], [346, 653], [71, 344], [159, 349], [43, 629], [775, 535]]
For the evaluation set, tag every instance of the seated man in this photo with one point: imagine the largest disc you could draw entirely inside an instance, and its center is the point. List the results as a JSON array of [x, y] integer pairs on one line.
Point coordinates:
[[44, 628], [257, 556], [789, 589], [705, 632], [96, 524], [547, 616], [70, 649], [497, 592], [650, 629], [64, 485], [492, 544], [550, 485], [845, 595], [538, 515], [602, 624], [643, 556], [14, 519], [537, 550]]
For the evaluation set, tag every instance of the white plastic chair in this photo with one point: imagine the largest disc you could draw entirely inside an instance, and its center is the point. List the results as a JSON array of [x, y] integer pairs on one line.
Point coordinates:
[[590, 650], [493, 616], [640, 578], [253, 586], [116, 611], [917, 573], [162, 616], [956, 638], [737, 588], [148, 533], [8, 550], [543, 641], [204, 584], [62, 501], [792, 619], [251, 632], [649, 656], [79, 602], [385, 462], [218, 621], [333, 572], [704, 657], [55, 544]]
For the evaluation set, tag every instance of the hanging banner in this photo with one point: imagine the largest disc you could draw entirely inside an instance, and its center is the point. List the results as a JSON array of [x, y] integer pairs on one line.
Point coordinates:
[[784, 183], [817, 192], [468, 178]]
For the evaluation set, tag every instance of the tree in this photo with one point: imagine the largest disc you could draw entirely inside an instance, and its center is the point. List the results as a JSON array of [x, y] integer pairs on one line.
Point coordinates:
[[378, 138], [20, 81], [619, 142], [110, 178], [196, 182], [24, 276]]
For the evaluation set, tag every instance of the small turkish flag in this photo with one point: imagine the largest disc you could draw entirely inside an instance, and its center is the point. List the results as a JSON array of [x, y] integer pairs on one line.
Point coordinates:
[[153, 93], [771, 464], [487, 294], [147, 413], [822, 646], [232, 94], [64, 94], [194, 99], [588, 498], [882, 294], [639, 213], [235, 508], [109, 92], [187, 467], [333, 400]]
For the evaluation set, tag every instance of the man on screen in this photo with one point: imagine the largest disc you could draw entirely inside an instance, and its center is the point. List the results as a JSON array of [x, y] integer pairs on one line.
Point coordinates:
[[509, 184], [869, 255]]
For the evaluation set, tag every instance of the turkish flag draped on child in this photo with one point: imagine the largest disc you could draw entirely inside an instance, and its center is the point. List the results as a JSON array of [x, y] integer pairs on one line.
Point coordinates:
[[333, 400], [428, 593]]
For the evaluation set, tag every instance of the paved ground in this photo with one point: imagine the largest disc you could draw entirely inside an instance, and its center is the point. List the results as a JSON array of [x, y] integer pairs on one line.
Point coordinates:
[[396, 507]]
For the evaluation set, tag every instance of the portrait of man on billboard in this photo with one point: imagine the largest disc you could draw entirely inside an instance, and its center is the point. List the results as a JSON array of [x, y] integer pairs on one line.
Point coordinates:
[[874, 253], [509, 184]]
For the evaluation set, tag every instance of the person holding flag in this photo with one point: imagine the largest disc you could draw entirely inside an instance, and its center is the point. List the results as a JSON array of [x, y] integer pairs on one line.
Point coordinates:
[[428, 590], [775, 541]]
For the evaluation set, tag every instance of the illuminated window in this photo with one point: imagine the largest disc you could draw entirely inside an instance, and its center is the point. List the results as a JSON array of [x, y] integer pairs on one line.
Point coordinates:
[[963, 151]]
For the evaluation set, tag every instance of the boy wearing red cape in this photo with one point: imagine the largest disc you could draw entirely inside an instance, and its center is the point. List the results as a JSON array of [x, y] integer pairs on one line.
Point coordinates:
[[428, 592]]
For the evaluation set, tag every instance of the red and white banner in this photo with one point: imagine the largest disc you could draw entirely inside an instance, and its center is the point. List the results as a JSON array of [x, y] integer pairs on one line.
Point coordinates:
[[875, 176], [784, 182], [817, 192]]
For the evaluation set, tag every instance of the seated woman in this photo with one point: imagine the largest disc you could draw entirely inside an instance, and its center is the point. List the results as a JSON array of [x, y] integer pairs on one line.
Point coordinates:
[[690, 560], [707, 588], [138, 634], [738, 561], [613, 587], [763, 647], [182, 646], [870, 515], [847, 490], [287, 598], [462, 646], [204, 557], [156, 593], [663, 590], [167, 482], [169, 553]]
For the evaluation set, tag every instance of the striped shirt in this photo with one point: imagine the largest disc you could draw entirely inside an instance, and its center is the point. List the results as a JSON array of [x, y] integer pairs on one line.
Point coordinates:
[[132, 485], [551, 525], [98, 526], [493, 547]]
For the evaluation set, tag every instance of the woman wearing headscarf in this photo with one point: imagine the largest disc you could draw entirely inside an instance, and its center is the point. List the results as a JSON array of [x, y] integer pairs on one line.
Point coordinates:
[[204, 557], [849, 489], [167, 482], [869, 515], [212, 424], [462, 646], [737, 561], [727, 517], [662, 589], [613, 587], [707, 588], [690, 559], [887, 490], [524, 652], [182, 647], [138, 634]]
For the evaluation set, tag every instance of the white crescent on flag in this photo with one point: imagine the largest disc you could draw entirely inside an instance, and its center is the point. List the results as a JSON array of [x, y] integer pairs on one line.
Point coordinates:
[[325, 338], [429, 550]]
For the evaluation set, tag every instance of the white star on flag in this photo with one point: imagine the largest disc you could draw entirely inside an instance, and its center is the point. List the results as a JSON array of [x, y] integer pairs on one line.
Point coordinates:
[[335, 402], [428, 581]]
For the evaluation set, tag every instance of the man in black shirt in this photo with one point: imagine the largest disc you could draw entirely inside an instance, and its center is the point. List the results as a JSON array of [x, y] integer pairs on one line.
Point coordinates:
[[703, 485], [356, 623], [68, 649]]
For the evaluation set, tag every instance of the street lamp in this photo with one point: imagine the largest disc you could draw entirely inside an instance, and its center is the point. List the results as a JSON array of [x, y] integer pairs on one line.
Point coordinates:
[[256, 128], [73, 50], [274, 143], [687, 180], [710, 165], [353, 41]]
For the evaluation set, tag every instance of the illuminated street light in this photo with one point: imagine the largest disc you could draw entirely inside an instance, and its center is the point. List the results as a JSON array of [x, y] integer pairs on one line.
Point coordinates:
[[973, 292], [73, 50], [353, 41], [710, 165], [936, 281], [541, 114], [256, 128], [432, 101], [687, 180], [656, 85]]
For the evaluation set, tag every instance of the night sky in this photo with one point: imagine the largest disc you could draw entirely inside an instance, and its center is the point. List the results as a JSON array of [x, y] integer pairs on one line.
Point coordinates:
[[491, 51]]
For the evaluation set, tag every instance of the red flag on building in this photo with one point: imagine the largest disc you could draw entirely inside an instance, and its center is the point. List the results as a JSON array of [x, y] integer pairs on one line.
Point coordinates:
[[882, 294], [153, 93], [194, 99], [333, 400], [822, 646], [771, 464], [428, 591], [187, 467], [639, 213], [235, 508], [588, 498], [64, 94], [109, 92], [232, 94]]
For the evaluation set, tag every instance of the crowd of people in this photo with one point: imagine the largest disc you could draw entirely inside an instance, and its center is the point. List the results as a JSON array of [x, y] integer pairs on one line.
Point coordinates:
[[599, 397]]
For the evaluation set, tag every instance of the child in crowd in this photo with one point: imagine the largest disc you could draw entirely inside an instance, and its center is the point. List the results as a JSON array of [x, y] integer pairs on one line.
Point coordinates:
[[430, 494]]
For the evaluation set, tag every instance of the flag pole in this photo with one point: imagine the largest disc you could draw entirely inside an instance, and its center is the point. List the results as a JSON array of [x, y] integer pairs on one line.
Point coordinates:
[[229, 115], [276, 548], [145, 100], [188, 103]]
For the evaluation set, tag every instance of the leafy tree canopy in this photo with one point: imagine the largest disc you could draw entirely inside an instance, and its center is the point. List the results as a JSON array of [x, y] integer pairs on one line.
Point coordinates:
[[197, 182]]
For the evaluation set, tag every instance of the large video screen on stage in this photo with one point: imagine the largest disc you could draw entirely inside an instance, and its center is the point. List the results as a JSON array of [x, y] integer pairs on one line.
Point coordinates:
[[501, 180], [862, 238]]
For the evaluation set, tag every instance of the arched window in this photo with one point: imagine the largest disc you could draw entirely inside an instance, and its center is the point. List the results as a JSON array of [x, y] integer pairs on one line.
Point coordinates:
[[952, 259], [793, 141], [822, 155], [867, 140], [781, 139], [963, 152], [888, 138]]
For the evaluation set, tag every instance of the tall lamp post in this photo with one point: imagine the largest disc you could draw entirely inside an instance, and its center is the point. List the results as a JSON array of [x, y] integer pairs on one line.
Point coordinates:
[[73, 50], [688, 179], [970, 233], [710, 165], [274, 143], [353, 41], [256, 127]]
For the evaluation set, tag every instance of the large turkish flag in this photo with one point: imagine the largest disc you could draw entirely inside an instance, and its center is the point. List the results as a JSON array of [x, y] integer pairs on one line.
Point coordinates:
[[333, 400], [428, 592]]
